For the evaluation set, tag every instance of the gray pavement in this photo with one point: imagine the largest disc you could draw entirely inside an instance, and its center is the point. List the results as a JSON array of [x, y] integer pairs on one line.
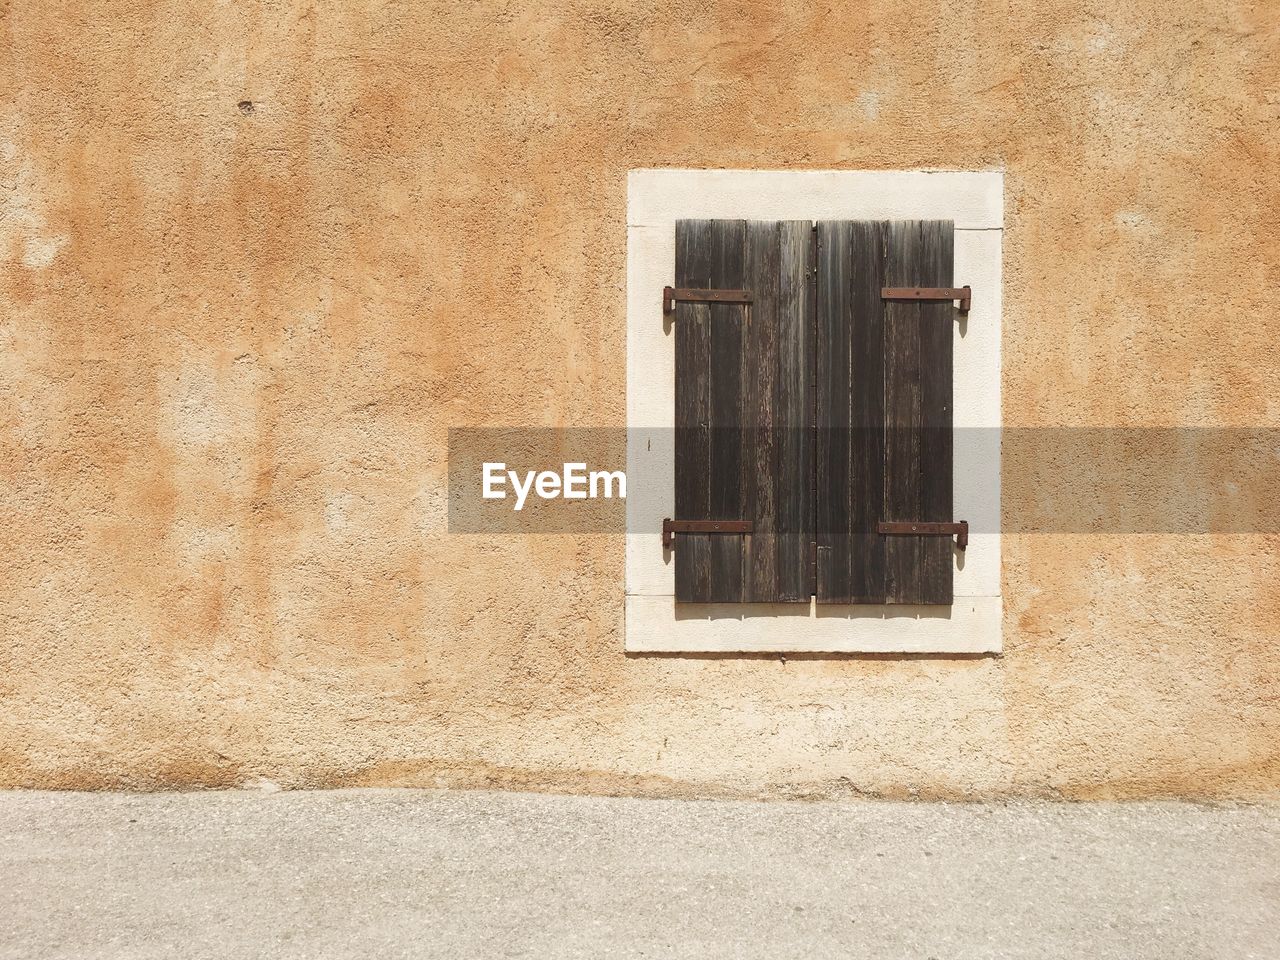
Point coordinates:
[[460, 874]]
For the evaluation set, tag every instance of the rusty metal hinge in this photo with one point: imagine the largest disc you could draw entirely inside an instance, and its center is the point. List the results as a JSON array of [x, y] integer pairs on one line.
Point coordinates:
[[963, 294], [921, 528], [813, 568], [671, 527], [671, 294]]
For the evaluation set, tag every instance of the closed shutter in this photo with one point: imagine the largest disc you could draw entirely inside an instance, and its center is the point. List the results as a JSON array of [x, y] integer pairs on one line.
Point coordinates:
[[744, 447], [884, 411], [816, 411]]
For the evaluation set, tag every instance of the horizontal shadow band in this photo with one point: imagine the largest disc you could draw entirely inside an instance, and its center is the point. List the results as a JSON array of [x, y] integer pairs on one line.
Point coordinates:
[[1033, 480]]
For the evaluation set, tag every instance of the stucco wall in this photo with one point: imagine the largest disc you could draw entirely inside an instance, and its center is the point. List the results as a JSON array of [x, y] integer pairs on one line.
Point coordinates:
[[257, 258]]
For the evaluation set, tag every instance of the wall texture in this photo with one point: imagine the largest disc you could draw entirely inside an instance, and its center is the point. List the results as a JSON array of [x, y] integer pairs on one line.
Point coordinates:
[[256, 258]]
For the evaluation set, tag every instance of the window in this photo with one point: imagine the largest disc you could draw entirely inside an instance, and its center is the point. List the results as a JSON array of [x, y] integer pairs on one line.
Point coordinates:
[[814, 401]]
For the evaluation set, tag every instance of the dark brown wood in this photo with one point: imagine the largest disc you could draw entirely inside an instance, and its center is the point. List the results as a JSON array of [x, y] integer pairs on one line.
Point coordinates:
[[887, 455], [758, 441], [867, 414], [670, 295], [777, 448], [693, 413], [818, 413], [812, 328], [794, 487], [959, 530], [760, 414], [937, 338], [727, 480], [918, 412], [834, 392], [671, 527], [962, 294], [850, 413]]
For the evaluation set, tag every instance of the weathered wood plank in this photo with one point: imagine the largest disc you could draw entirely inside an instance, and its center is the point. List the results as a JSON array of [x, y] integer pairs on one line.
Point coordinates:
[[918, 451], [834, 388], [795, 408], [777, 435], [866, 423], [937, 444], [761, 416], [728, 329], [693, 410]]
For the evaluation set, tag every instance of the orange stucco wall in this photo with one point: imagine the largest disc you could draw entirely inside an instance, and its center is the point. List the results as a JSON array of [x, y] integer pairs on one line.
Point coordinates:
[[256, 259]]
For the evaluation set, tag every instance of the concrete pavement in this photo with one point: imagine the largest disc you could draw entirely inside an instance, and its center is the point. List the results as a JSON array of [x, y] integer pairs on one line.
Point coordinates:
[[468, 874]]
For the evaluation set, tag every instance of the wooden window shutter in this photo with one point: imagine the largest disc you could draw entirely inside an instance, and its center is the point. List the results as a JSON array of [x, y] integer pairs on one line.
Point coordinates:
[[744, 443], [811, 408], [884, 412]]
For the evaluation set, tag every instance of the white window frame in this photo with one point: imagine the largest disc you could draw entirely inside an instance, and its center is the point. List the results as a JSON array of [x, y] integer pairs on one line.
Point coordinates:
[[654, 622]]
